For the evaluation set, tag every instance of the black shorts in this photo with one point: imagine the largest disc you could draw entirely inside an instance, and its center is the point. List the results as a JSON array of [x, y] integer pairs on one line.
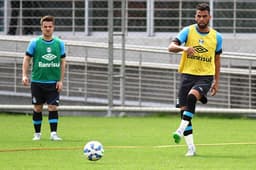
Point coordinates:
[[44, 93], [201, 83]]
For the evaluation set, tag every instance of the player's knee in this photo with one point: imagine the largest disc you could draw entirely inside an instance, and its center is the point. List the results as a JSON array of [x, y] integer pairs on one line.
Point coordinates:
[[191, 103], [191, 98], [52, 107], [38, 108]]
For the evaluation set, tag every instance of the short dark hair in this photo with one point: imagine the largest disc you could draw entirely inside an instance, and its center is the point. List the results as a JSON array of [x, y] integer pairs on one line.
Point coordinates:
[[47, 18], [203, 7]]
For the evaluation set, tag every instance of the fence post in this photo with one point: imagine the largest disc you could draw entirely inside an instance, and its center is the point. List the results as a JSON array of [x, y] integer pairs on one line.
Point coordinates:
[[110, 57]]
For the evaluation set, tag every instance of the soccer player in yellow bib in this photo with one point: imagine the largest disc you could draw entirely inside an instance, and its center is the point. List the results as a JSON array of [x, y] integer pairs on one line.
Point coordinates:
[[201, 47]]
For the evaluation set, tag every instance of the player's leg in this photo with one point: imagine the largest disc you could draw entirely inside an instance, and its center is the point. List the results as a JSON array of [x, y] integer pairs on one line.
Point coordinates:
[[186, 84], [188, 136], [37, 121], [53, 119], [188, 114], [53, 116], [189, 139], [199, 92], [37, 101], [183, 124]]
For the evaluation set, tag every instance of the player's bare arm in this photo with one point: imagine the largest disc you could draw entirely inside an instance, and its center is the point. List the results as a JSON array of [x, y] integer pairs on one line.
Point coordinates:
[[215, 84], [59, 84], [175, 47], [25, 67]]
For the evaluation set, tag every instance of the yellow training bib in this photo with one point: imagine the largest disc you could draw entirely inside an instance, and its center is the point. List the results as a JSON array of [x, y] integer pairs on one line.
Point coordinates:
[[203, 61]]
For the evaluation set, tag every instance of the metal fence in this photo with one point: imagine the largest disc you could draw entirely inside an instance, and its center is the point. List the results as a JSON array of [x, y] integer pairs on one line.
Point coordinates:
[[151, 75], [88, 17]]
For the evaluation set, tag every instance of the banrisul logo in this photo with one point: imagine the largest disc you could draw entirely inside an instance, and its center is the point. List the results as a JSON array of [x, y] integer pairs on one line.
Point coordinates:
[[48, 60]]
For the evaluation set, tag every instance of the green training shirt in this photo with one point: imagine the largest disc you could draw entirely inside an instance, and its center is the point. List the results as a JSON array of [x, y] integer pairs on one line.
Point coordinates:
[[47, 60]]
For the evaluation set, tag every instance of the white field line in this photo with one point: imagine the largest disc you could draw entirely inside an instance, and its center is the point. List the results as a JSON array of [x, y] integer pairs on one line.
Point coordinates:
[[210, 144], [122, 147]]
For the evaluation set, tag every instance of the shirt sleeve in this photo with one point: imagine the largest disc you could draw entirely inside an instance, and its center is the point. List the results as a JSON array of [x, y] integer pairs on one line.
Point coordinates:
[[219, 43], [183, 35], [31, 48], [63, 50]]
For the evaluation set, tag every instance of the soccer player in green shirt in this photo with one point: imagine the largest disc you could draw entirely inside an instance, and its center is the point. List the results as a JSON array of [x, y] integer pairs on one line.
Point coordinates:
[[48, 67]]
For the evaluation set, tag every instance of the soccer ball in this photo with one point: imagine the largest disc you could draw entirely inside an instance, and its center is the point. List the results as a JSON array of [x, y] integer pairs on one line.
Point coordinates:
[[93, 150]]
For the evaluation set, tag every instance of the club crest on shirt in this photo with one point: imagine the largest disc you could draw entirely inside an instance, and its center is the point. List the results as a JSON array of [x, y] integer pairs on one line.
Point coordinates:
[[48, 50], [201, 42]]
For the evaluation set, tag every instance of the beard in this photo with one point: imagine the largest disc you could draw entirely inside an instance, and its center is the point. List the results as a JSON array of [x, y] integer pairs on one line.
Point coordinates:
[[202, 25]]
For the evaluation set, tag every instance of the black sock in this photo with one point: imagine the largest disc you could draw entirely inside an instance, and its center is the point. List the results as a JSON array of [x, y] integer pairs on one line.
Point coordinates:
[[190, 109], [37, 121], [181, 114], [53, 120]]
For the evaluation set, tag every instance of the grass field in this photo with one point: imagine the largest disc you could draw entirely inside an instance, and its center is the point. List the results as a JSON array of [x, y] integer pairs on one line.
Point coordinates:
[[131, 143]]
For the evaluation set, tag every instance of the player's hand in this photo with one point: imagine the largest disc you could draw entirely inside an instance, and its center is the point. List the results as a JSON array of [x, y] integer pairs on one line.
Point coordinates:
[[59, 86], [190, 51], [25, 81], [214, 88]]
